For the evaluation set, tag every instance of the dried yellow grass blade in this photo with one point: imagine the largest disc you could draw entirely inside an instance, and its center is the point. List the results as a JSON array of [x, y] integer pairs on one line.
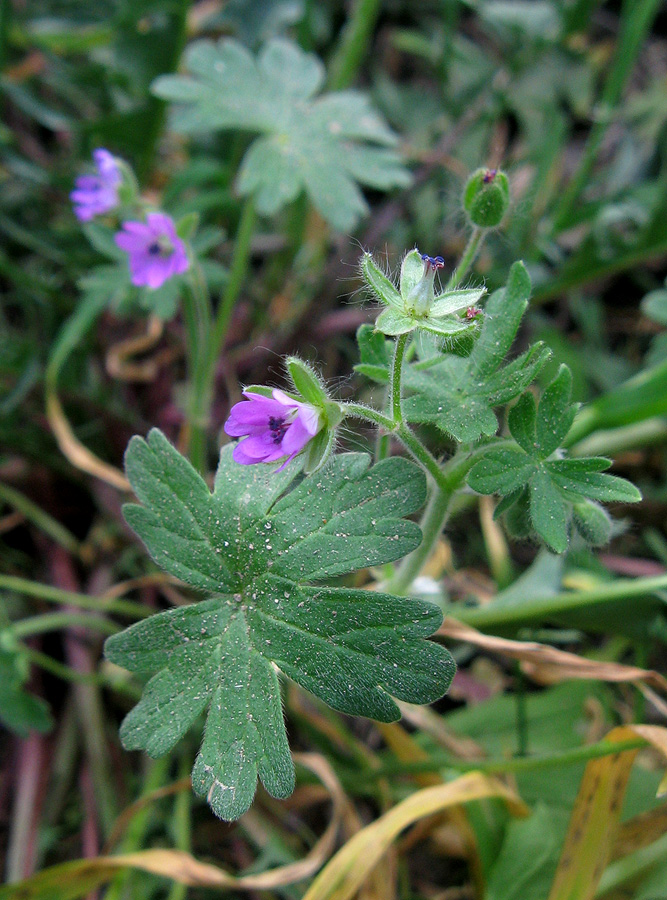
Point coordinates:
[[72, 880], [594, 824], [80, 457], [640, 831], [344, 874], [548, 665], [120, 362]]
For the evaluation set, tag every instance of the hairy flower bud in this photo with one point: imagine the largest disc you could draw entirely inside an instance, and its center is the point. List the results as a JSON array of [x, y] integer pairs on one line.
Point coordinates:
[[486, 197]]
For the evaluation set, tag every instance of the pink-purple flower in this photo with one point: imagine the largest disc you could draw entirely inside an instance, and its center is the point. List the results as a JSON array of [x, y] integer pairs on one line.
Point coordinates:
[[272, 427], [155, 251], [95, 195]]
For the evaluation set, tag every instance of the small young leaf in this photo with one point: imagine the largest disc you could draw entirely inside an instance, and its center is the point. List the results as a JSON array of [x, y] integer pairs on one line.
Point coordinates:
[[502, 318], [555, 414], [593, 522], [594, 485], [255, 545], [501, 472], [374, 353], [517, 515], [548, 511], [521, 421]]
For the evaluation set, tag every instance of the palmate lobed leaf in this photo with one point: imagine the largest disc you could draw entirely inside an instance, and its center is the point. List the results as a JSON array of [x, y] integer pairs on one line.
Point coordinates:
[[540, 489], [324, 145], [255, 544]]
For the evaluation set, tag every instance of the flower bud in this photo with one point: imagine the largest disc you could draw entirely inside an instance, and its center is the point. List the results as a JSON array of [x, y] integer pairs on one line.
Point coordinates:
[[593, 523], [486, 197], [421, 296]]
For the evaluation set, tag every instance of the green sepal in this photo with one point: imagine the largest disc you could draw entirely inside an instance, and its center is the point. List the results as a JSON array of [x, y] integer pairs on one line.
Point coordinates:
[[319, 450], [392, 322], [306, 381], [378, 283], [454, 301], [187, 226], [262, 390]]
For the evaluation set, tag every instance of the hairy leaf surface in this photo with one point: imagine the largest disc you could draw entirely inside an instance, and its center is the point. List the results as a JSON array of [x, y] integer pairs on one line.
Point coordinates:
[[555, 488], [255, 546]]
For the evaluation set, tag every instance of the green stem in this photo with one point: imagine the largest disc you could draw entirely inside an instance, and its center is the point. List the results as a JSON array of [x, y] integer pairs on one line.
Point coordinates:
[[237, 275], [41, 519], [56, 621], [422, 455], [353, 44], [83, 601], [521, 713], [448, 480], [181, 824], [214, 338], [395, 379], [441, 760], [46, 662], [636, 19], [489, 617], [155, 111], [467, 259], [361, 411], [157, 773], [197, 316], [432, 523]]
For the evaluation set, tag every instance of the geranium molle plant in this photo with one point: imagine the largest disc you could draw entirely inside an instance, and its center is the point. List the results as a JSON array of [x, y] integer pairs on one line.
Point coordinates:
[[264, 550], [155, 251], [95, 195]]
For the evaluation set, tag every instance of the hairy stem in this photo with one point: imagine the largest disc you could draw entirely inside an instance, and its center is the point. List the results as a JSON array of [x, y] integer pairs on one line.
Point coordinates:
[[197, 318], [56, 621], [83, 601], [395, 379], [540, 608], [440, 760]]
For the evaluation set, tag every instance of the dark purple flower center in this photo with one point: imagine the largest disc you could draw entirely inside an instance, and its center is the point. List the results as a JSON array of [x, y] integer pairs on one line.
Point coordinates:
[[489, 175], [277, 427], [161, 246]]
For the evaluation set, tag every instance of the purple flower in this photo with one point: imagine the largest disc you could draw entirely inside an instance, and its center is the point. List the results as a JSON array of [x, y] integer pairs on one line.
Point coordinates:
[[156, 253], [94, 195], [273, 428]]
